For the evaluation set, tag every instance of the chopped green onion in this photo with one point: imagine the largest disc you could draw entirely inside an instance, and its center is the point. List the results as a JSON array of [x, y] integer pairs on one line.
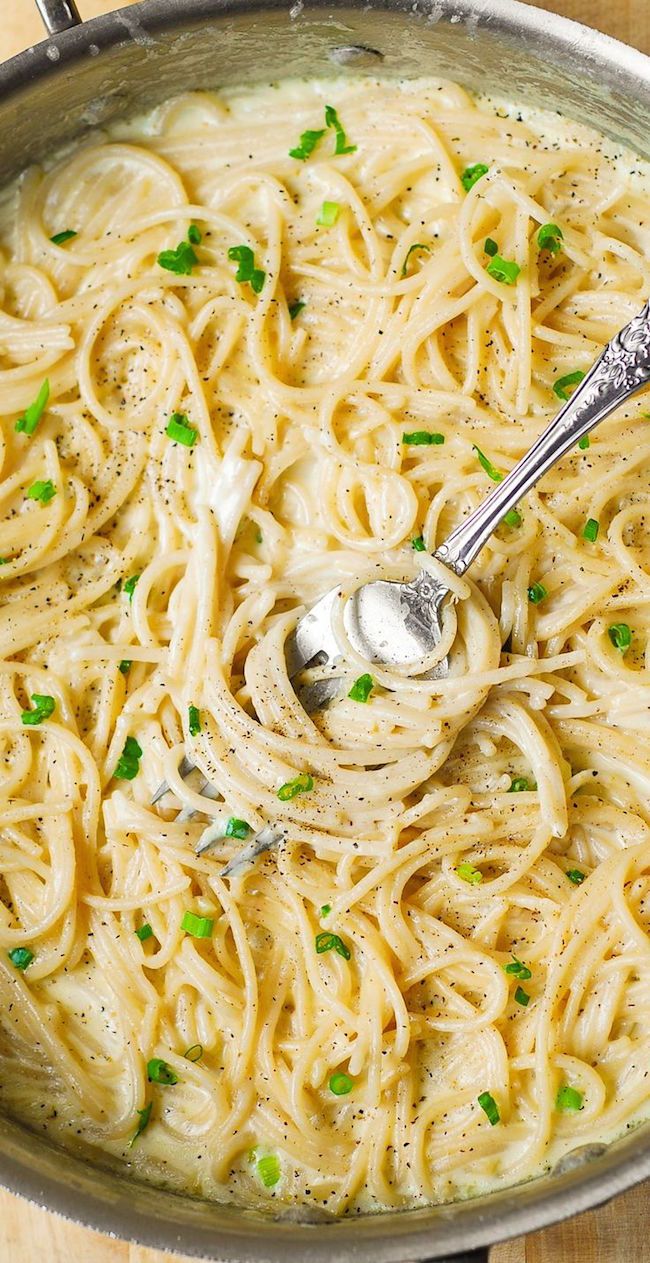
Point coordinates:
[[621, 636], [144, 1116], [423, 438], [43, 491], [332, 120], [129, 586], [569, 1098], [362, 688], [268, 1169], [468, 873], [489, 1107], [296, 308], [60, 238], [522, 997], [237, 828], [194, 721], [487, 465], [505, 271], [340, 1084], [128, 764], [417, 544], [44, 706], [519, 785], [180, 430], [590, 530], [194, 1053], [194, 235], [246, 271], [158, 1071], [326, 942], [20, 957], [472, 174], [328, 214], [550, 238], [417, 245], [180, 260], [584, 443], [518, 970], [491, 248], [144, 932], [512, 518], [536, 593], [576, 876], [125, 666], [198, 927], [300, 784], [307, 144], [325, 910], [26, 424], [563, 384]]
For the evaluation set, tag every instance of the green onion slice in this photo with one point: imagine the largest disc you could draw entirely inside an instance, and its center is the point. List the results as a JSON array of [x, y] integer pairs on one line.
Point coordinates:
[[325, 910], [328, 214], [569, 1099], [194, 1053], [472, 174], [60, 238], [340, 1084], [301, 784], [194, 235], [468, 873], [237, 828], [505, 271], [422, 438], [247, 272], [197, 926], [180, 430], [576, 876], [489, 1107], [21, 957], [332, 120], [180, 260], [26, 424], [128, 764], [522, 997], [621, 636], [590, 530], [487, 465], [194, 721], [42, 490], [268, 1169], [491, 248], [564, 384], [417, 246], [362, 688], [417, 544], [550, 238], [125, 665], [44, 707], [518, 970], [144, 1117], [158, 1071], [307, 144], [296, 308], [144, 932], [536, 593], [129, 586], [327, 942], [519, 785]]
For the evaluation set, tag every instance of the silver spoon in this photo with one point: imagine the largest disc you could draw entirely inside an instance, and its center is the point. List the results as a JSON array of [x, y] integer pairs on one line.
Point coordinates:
[[400, 623]]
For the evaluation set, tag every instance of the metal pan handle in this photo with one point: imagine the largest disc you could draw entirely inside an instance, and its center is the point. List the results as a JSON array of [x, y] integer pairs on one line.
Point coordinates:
[[467, 1256], [58, 15]]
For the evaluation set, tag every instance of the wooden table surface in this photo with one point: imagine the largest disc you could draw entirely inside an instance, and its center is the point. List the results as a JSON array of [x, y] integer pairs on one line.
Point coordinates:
[[618, 1233]]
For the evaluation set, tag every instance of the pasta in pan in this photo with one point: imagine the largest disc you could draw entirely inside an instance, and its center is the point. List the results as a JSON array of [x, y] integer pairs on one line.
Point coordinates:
[[253, 347]]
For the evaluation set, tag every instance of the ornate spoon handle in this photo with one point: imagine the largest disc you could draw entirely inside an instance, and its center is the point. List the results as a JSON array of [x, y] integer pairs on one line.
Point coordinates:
[[622, 369]]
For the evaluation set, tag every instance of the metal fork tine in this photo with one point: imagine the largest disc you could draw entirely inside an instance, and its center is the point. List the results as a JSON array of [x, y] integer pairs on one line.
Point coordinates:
[[208, 790], [186, 766]]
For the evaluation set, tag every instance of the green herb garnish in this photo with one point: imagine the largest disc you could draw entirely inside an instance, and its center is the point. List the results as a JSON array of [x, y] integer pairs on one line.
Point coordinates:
[[144, 1116], [590, 530], [417, 544], [60, 238], [505, 271], [468, 873], [300, 784], [246, 271], [44, 706], [563, 384], [417, 245], [198, 927], [325, 910], [489, 1107], [518, 970], [576, 876], [180, 430], [194, 235], [128, 764], [340, 1084], [26, 424], [129, 586], [522, 997], [21, 957], [536, 593], [550, 238], [144, 932], [307, 144], [422, 438], [621, 636], [183, 258], [472, 174], [491, 248], [158, 1071], [487, 465], [125, 666], [332, 120], [237, 828], [296, 308], [569, 1099], [328, 214], [327, 942], [519, 785], [268, 1169], [362, 688], [42, 490], [194, 721], [194, 1053]]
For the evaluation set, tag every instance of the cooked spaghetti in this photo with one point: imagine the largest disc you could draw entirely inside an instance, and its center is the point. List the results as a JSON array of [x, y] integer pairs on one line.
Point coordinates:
[[251, 348]]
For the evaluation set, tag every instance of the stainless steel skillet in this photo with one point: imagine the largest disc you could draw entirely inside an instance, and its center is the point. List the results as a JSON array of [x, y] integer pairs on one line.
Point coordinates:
[[86, 74]]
